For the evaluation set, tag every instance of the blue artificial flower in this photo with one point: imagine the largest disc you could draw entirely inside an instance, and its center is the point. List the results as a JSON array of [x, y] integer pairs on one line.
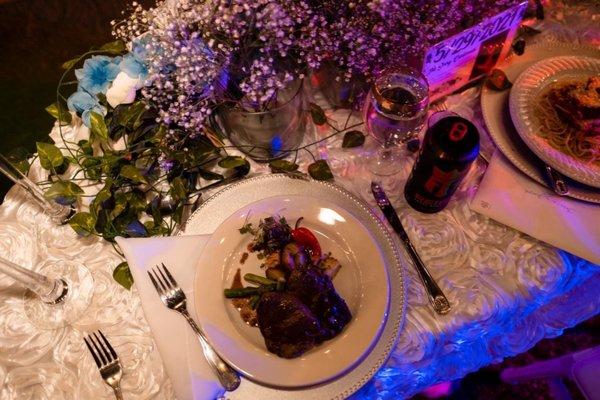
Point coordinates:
[[97, 74], [83, 104], [81, 101], [85, 116], [134, 67]]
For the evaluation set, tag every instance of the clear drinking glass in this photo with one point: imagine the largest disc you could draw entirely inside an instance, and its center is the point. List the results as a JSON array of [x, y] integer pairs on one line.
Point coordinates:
[[394, 113], [57, 212], [58, 294], [61, 290], [270, 134]]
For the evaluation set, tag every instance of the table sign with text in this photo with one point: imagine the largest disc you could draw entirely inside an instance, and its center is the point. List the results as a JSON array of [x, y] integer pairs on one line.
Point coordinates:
[[468, 55]]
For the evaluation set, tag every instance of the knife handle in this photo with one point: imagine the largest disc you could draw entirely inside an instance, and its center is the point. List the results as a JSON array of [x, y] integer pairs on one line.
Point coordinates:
[[438, 300], [556, 181]]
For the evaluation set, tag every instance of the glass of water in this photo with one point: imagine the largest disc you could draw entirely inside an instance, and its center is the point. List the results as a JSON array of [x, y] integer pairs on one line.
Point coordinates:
[[395, 113]]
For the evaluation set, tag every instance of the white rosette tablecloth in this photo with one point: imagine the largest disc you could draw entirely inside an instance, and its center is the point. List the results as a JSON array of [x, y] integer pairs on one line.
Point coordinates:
[[508, 290]]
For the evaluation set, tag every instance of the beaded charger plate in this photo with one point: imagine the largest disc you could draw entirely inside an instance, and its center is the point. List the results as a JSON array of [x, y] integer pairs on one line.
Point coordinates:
[[347, 376], [496, 114], [528, 90]]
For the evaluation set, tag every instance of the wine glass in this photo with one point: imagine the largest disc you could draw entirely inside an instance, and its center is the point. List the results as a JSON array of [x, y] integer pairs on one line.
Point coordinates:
[[394, 113], [57, 212], [58, 294], [61, 290]]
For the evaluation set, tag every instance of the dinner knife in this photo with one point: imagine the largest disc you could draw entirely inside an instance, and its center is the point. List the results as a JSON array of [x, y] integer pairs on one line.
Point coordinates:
[[438, 300]]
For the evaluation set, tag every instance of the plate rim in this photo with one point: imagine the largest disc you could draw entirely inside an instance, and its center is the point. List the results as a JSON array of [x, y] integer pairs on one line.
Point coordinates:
[[382, 316], [497, 130], [347, 384], [519, 95]]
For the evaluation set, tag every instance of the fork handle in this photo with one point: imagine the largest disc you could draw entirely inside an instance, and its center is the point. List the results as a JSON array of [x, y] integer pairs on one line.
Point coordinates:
[[118, 394], [227, 376]]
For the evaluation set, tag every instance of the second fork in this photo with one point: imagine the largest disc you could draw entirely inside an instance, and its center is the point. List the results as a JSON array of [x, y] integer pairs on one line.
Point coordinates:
[[174, 298]]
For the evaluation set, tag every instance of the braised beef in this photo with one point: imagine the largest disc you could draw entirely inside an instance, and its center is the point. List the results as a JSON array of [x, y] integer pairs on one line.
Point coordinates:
[[288, 326], [315, 290]]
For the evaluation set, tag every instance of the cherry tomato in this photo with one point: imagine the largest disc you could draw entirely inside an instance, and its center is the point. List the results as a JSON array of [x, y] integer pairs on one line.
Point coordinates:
[[305, 238]]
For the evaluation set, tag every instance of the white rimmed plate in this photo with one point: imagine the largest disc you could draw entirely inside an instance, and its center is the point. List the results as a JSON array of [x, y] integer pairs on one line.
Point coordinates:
[[528, 88], [494, 106], [218, 208], [362, 282]]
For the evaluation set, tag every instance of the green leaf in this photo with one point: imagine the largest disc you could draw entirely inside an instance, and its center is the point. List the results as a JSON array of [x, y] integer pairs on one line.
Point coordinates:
[[320, 171], [116, 47], [210, 176], [60, 112], [283, 166], [131, 117], [19, 158], [100, 201], [178, 190], [317, 114], [120, 205], [62, 168], [86, 147], [70, 64], [230, 162], [122, 275], [132, 173], [98, 126], [136, 199], [83, 223], [64, 192], [102, 99], [353, 139], [50, 155], [92, 168]]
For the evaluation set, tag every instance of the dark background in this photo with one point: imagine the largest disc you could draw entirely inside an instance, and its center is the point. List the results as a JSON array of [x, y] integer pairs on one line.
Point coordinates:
[[36, 37]]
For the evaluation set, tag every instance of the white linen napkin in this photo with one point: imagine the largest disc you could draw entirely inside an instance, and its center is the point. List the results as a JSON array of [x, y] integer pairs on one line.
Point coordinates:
[[508, 196], [182, 356]]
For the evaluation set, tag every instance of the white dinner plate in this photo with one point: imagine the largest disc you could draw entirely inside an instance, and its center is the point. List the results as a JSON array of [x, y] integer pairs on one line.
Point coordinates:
[[362, 282], [528, 89], [494, 106], [371, 281]]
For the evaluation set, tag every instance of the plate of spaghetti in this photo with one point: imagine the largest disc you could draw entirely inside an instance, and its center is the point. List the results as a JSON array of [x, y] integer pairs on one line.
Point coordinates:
[[555, 106]]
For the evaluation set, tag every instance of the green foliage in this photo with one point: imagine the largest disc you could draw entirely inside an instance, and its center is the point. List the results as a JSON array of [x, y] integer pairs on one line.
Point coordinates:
[[353, 139], [83, 223], [132, 173], [282, 166], [19, 158], [50, 155], [115, 48], [60, 112], [230, 162], [317, 114], [64, 192], [99, 128], [123, 276], [320, 171]]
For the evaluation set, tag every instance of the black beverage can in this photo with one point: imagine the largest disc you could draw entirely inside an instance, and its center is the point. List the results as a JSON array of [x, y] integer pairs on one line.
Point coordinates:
[[450, 146]]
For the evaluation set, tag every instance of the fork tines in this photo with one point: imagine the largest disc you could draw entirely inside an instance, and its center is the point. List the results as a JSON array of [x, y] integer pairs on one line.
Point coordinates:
[[162, 281], [102, 351]]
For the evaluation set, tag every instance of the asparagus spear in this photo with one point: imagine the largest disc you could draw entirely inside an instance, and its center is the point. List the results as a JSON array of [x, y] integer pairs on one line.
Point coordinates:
[[241, 292], [259, 280]]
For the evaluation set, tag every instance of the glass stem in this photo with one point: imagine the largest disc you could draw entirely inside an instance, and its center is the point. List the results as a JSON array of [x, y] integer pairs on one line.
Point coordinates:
[[47, 289], [57, 212]]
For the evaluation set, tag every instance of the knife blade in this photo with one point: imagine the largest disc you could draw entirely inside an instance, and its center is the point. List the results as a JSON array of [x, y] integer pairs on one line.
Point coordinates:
[[438, 300]]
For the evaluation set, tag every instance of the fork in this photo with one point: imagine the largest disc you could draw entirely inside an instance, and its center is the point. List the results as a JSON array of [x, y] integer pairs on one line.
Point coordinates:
[[107, 361], [174, 298]]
